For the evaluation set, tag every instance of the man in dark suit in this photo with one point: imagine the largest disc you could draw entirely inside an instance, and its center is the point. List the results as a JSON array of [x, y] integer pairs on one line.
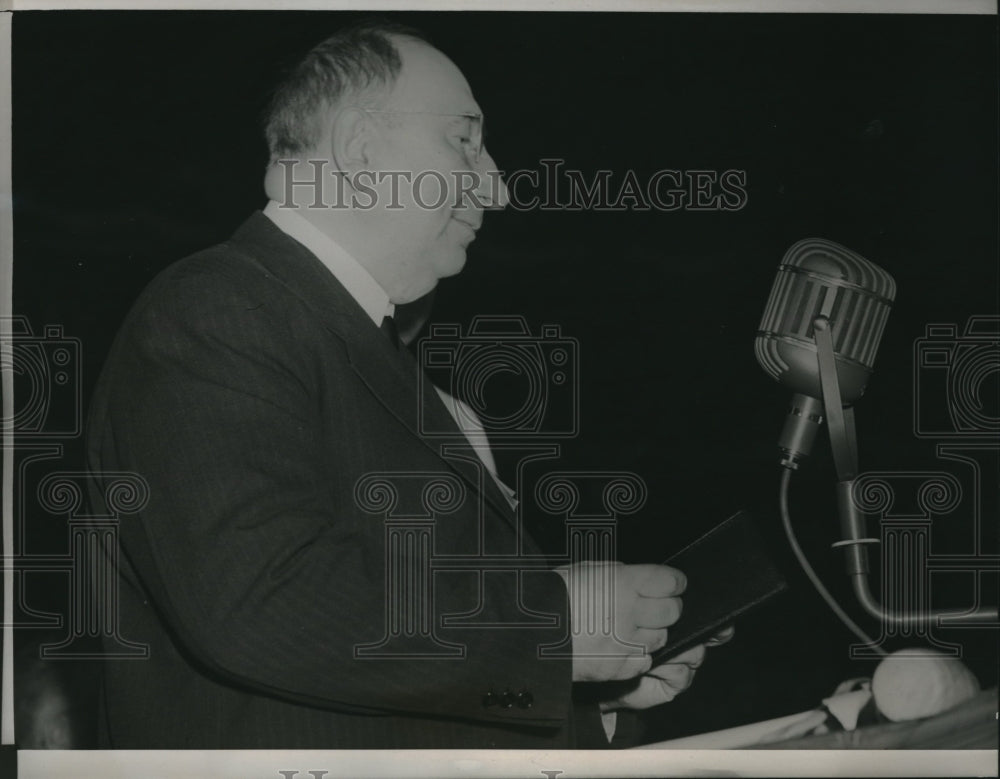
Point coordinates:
[[259, 391]]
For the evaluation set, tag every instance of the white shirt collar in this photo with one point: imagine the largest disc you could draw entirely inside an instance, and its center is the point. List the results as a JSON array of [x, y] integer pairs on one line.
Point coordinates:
[[347, 270]]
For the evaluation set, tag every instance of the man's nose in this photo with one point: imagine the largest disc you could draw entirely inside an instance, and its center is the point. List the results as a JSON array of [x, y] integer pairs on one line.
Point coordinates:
[[491, 191]]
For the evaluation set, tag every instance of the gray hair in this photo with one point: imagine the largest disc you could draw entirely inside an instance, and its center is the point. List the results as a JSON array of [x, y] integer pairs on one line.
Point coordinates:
[[347, 63]]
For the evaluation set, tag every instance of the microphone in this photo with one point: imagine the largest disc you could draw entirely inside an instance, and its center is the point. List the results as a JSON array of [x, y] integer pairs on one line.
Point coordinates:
[[819, 335], [822, 290]]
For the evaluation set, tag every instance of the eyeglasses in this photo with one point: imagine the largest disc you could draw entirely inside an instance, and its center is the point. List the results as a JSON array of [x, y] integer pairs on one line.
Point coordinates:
[[474, 142]]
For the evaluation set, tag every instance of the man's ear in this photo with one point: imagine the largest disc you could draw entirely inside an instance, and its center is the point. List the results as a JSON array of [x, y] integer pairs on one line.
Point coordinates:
[[351, 142]]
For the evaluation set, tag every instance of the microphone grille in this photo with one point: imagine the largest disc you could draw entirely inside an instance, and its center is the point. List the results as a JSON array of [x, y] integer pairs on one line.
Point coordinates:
[[838, 263], [818, 277]]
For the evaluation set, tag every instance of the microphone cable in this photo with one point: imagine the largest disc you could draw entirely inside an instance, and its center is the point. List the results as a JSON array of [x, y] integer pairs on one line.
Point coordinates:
[[786, 522]]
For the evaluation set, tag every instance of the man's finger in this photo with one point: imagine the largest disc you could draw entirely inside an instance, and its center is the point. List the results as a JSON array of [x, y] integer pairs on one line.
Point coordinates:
[[677, 676], [692, 658], [656, 612], [653, 640], [634, 665], [657, 581], [722, 636]]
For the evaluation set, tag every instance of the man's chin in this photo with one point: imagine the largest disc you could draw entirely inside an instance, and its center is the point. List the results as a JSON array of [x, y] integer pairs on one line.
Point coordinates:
[[452, 263]]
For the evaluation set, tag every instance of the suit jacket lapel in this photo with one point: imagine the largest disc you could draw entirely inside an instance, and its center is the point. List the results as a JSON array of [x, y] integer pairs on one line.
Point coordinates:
[[392, 375]]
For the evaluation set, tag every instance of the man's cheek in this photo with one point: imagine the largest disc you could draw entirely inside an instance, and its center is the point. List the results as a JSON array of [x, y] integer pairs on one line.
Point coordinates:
[[431, 191]]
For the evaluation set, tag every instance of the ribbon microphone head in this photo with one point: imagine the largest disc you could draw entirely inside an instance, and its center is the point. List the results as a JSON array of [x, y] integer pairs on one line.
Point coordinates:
[[821, 281]]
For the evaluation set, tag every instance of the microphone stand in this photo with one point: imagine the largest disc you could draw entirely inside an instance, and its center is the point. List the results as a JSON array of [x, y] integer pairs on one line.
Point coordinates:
[[844, 443]]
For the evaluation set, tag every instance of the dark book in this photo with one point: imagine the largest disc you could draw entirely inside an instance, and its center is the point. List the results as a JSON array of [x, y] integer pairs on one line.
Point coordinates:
[[729, 573]]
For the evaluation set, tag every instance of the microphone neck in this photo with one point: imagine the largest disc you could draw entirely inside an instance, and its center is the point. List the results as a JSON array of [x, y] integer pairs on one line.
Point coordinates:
[[805, 415]]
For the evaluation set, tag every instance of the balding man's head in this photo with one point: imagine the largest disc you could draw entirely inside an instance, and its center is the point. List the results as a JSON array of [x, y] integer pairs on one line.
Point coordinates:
[[391, 134], [356, 65]]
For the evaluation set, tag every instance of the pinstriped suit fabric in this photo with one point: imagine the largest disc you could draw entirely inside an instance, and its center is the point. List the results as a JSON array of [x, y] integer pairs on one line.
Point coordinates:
[[251, 392]]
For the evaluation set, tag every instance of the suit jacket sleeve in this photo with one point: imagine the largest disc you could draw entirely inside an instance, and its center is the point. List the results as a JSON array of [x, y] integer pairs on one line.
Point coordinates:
[[211, 396]]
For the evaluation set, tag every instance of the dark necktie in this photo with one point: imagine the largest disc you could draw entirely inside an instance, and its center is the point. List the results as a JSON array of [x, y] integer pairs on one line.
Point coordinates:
[[389, 328]]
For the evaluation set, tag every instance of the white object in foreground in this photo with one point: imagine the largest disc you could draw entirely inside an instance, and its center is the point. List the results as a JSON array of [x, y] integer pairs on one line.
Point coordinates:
[[914, 683]]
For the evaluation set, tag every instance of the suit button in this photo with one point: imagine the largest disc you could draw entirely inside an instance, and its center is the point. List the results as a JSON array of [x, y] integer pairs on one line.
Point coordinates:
[[525, 699], [490, 699], [507, 699]]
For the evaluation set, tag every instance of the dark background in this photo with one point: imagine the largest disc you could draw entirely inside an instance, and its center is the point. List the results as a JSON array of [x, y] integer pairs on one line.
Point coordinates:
[[137, 141]]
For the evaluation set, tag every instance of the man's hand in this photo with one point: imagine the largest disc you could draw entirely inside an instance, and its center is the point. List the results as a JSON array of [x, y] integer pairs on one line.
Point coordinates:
[[666, 681], [620, 615]]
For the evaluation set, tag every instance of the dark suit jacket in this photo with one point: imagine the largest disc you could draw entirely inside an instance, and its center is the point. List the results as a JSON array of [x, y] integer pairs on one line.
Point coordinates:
[[252, 393]]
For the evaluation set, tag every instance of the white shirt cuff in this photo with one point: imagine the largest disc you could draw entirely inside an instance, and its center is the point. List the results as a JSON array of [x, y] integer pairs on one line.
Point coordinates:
[[610, 721]]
